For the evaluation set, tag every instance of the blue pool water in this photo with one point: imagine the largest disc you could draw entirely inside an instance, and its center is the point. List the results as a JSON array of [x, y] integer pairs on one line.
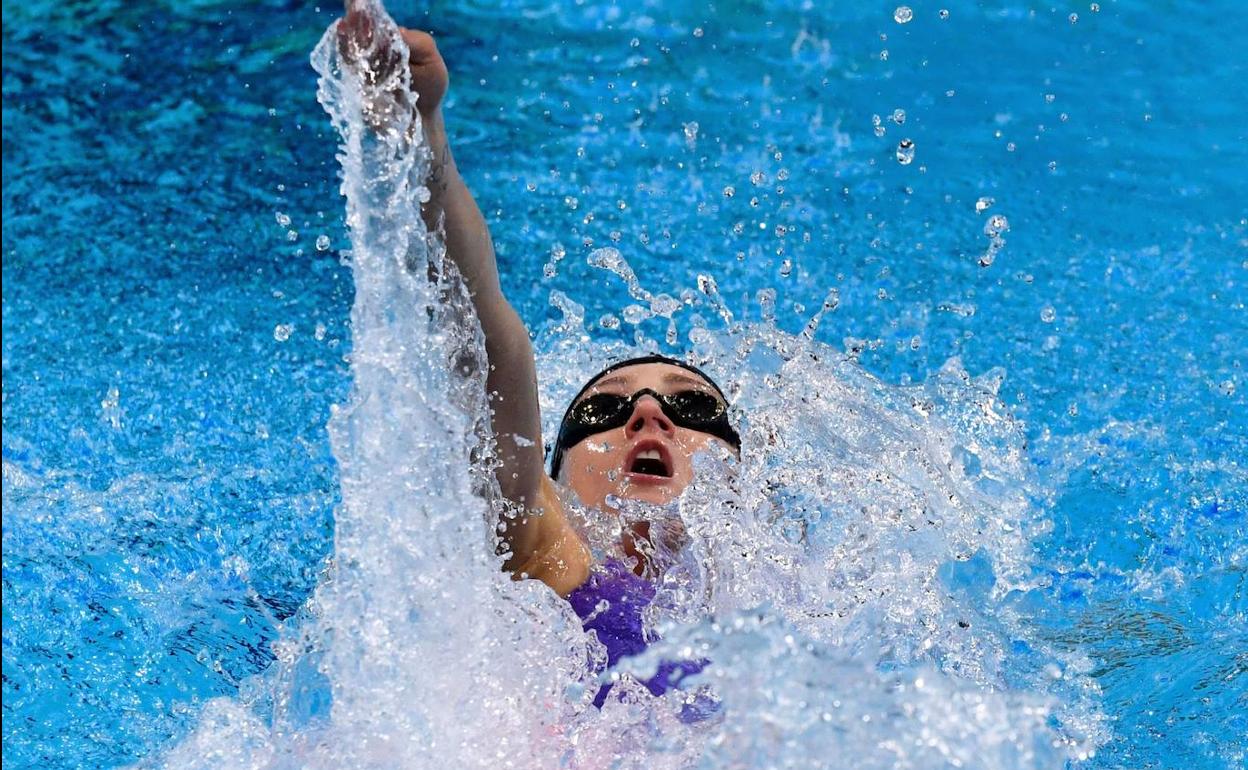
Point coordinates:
[[175, 310]]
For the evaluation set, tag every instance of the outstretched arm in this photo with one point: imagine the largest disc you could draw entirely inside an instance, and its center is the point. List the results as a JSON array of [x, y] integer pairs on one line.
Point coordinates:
[[542, 543]]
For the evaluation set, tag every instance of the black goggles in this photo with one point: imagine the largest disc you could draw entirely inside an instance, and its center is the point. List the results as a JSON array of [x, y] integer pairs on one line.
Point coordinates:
[[692, 409]]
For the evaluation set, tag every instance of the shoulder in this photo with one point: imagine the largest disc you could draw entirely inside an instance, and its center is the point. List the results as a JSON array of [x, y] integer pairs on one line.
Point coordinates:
[[562, 559]]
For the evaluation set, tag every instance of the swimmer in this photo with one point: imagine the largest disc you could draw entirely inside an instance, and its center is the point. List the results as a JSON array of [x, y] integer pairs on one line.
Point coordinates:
[[631, 432]]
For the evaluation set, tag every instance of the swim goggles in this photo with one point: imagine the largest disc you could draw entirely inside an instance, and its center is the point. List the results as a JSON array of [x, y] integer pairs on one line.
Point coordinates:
[[692, 409]]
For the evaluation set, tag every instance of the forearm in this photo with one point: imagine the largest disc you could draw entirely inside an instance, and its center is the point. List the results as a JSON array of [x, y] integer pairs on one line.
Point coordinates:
[[512, 378]]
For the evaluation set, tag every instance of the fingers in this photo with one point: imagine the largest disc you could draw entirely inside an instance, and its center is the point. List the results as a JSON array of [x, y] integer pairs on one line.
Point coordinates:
[[355, 33]]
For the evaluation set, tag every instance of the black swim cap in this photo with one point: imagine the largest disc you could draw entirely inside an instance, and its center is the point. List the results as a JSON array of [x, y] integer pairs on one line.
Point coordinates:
[[557, 454]]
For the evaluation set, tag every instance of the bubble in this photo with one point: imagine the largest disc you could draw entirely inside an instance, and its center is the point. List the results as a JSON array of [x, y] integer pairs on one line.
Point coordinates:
[[899, 116], [322, 243], [1074, 17], [944, 14], [786, 268], [697, 32], [1227, 387], [691, 131], [782, 174], [557, 251], [758, 178], [292, 235], [905, 152], [1048, 314], [571, 202], [884, 55], [1052, 165], [879, 125], [1095, 8], [983, 204], [1048, 98], [319, 332], [729, 191], [609, 321], [903, 14], [282, 219], [1010, 147], [282, 332]]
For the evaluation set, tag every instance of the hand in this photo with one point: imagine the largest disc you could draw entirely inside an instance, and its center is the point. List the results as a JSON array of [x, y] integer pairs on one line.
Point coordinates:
[[362, 40], [429, 74]]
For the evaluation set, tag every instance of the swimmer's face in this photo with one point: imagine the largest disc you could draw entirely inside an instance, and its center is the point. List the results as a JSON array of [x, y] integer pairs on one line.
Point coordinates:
[[649, 458]]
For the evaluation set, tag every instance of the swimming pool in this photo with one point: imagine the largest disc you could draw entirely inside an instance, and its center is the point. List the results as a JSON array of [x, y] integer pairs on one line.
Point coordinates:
[[175, 325]]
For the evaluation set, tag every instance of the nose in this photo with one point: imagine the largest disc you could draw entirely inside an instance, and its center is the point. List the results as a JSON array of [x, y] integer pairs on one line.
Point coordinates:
[[648, 415]]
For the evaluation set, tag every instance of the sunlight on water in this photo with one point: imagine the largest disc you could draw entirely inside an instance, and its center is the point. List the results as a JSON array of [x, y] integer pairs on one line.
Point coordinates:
[[859, 579]]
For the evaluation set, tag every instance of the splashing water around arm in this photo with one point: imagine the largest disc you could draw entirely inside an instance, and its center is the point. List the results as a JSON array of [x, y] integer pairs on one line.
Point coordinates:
[[541, 542]]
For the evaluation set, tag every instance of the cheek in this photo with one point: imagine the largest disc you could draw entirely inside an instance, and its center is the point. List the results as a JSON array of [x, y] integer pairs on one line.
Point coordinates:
[[595, 457]]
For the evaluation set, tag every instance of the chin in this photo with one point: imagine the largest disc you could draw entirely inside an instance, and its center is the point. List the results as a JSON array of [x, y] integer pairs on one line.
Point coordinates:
[[657, 495]]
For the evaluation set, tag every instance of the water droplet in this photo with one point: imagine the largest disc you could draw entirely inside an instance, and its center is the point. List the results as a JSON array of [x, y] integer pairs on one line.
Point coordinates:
[[282, 332], [899, 116], [1227, 387], [1052, 165], [1048, 98], [983, 204], [729, 191], [319, 332], [1095, 8], [691, 131], [944, 14], [697, 32], [1009, 147], [996, 225], [1048, 314], [292, 235], [609, 321], [557, 251], [758, 178], [786, 268], [879, 125], [322, 243], [884, 55], [282, 219], [782, 175], [1074, 17], [635, 314], [571, 202], [905, 152], [903, 14]]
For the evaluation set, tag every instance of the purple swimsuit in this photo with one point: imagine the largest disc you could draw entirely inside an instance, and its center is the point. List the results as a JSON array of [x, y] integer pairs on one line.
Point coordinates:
[[619, 624]]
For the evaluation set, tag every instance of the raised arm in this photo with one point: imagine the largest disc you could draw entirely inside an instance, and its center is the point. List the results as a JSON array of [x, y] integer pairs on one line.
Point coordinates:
[[542, 543]]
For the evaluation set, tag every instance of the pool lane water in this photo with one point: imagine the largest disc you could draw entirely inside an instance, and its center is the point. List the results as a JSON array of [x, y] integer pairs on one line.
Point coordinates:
[[175, 324]]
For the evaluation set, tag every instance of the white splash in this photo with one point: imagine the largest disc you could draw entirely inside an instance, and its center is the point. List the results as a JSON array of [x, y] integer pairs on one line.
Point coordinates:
[[848, 578]]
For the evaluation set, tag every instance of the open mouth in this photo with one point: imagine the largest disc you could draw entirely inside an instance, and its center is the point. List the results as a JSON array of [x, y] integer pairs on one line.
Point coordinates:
[[649, 460]]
